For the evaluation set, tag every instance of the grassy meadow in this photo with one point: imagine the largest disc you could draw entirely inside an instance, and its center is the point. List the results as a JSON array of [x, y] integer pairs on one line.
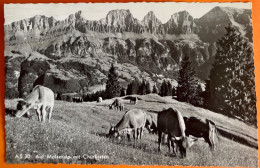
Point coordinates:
[[77, 134]]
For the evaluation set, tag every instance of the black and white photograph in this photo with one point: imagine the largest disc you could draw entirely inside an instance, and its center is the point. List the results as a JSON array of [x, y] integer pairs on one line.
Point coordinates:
[[169, 83]]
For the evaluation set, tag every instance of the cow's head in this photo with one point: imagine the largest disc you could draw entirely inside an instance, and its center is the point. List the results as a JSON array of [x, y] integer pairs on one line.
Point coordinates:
[[22, 108], [113, 132], [110, 107], [184, 143]]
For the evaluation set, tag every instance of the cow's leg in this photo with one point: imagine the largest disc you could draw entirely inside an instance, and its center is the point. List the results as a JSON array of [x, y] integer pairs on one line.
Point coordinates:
[[138, 133], [43, 113], [159, 140], [38, 112], [135, 135], [175, 147], [128, 137], [50, 113], [141, 133], [169, 144]]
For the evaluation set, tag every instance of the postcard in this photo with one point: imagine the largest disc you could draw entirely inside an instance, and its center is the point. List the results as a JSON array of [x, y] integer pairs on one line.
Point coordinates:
[[130, 84]]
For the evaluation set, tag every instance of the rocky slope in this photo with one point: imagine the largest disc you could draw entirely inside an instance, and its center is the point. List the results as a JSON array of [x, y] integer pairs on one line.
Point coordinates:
[[75, 53]]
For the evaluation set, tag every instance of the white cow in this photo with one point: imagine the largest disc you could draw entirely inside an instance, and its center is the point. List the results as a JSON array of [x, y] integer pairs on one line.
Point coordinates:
[[41, 99], [99, 100]]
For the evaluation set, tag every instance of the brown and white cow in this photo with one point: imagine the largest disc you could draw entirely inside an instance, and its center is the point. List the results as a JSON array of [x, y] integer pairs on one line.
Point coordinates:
[[170, 121], [133, 100], [201, 128], [41, 98]]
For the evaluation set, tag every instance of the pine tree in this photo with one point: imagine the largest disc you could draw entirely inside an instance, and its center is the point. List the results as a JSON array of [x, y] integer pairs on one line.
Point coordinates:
[[155, 89], [148, 88], [186, 80], [112, 86], [129, 90], [142, 88], [232, 88], [169, 88], [133, 87], [164, 89]]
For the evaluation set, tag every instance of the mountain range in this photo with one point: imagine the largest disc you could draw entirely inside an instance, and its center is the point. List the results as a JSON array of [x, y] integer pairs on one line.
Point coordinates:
[[76, 53]]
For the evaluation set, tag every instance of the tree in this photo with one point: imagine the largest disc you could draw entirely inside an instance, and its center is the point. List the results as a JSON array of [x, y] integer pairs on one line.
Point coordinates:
[[155, 89], [112, 86], [164, 89], [169, 89], [232, 88], [132, 88], [142, 88], [186, 80], [122, 92], [129, 89], [148, 88]]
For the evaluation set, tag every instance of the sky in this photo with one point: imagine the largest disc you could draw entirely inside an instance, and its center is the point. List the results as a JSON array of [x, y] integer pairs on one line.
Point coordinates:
[[96, 11]]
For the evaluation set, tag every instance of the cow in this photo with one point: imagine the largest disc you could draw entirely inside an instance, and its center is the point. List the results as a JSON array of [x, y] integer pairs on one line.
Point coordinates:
[[41, 98], [133, 121], [170, 121], [133, 100], [150, 124], [77, 99], [201, 128], [118, 104], [99, 100]]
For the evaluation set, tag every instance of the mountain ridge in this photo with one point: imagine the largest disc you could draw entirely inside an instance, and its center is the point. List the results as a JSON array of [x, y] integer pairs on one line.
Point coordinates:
[[78, 50]]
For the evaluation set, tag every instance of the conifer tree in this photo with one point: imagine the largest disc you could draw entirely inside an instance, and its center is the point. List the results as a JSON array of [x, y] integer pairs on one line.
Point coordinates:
[[148, 88], [112, 85], [129, 89], [164, 89], [155, 89], [186, 80], [232, 86], [142, 88]]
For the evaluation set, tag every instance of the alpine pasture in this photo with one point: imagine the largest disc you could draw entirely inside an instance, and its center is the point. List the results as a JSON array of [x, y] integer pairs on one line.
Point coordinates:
[[77, 134]]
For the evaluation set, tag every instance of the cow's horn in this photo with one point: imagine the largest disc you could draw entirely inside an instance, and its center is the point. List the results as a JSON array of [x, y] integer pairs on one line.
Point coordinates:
[[178, 138]]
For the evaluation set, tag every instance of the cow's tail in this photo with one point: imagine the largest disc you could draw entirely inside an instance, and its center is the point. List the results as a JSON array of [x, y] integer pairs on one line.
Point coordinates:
[[215, 128]]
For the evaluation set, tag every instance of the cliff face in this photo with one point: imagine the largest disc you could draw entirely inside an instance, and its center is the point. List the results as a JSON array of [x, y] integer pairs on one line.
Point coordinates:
[[208, 27], [76, 53], [180, 23]]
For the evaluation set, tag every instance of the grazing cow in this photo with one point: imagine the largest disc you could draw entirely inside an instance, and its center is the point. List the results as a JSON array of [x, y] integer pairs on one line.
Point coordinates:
[[99, 100], [150, 124], [77, 99], [170, 121], [118, 104], [133, 100], [133, 121], [201, 129], [41, 98]]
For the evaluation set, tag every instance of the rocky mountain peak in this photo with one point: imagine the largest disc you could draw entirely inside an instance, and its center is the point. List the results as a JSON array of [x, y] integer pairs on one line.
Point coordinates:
[[150, 18], [181, 23], [118, 17], [151, 22]]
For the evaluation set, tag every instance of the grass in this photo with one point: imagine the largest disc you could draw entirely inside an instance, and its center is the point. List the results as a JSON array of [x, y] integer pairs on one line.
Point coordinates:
[[78, 131]]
